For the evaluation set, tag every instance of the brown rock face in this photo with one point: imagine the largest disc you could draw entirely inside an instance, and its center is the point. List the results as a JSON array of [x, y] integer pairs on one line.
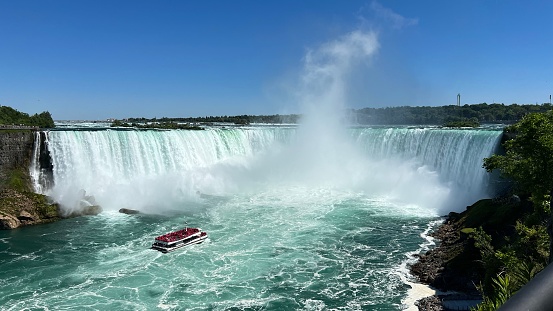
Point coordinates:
[[19, 205], [26, 216], [9, 222]]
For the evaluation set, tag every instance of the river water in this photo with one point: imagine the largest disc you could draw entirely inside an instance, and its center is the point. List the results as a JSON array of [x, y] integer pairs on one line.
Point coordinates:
[[294, 223]]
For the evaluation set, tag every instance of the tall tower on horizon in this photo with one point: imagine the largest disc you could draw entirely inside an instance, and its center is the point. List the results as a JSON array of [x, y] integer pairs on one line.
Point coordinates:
[[459, 100]]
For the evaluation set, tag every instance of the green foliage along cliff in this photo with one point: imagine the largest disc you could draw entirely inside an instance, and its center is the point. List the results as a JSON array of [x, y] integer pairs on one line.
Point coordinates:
[[511, 260], [529, 156], [10, 116]]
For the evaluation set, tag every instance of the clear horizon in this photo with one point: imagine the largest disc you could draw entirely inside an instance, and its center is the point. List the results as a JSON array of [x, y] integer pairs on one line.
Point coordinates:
[[94, 60]]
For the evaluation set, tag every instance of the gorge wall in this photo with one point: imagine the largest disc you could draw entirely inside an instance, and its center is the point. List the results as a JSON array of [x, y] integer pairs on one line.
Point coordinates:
[[16, 148], [19, 204]]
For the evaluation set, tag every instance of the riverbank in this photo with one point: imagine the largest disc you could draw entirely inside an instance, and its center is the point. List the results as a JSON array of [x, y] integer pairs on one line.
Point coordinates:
[[497, 225], [444, 284]]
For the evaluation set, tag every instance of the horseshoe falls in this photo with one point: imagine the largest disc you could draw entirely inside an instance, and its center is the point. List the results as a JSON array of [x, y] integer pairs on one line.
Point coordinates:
[[296, 220]]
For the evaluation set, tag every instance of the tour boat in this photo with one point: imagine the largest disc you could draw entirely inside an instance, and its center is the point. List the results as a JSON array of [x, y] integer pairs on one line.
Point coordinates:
[[177, 239]]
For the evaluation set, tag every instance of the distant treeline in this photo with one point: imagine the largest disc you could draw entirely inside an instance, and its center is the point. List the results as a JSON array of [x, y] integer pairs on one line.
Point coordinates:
[[243, 119], [157, 125], [10, 116], [404, 115], [481, 113]]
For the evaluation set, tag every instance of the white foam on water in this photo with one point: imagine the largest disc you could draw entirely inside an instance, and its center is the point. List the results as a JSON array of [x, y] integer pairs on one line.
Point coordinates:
[[417, 290]]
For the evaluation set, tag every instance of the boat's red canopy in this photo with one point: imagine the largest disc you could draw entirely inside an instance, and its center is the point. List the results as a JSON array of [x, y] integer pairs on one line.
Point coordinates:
[[177, 235]]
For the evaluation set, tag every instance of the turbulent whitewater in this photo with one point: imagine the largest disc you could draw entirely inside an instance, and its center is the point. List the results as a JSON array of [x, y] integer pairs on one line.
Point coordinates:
[[293, 222]]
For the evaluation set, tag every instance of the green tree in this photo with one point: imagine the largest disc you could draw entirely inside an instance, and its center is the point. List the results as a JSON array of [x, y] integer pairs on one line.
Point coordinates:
[[42, 120], [528, 160], [10, 116]]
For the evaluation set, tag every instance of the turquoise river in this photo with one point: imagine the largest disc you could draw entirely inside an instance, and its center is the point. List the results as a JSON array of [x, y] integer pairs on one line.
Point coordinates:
[[296, 221]]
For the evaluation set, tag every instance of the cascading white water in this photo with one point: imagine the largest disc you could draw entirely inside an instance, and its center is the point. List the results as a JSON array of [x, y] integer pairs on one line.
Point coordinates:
[[454, 156], [40, 169], [34, 170], [148, 169], [436, 169]]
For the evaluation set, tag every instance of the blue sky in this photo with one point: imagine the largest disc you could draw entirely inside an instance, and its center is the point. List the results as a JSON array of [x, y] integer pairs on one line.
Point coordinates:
[[116, 59]]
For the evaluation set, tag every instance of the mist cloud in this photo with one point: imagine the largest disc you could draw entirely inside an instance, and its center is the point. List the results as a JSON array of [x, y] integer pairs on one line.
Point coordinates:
[[395, 20], [326, 70], [334, 58]]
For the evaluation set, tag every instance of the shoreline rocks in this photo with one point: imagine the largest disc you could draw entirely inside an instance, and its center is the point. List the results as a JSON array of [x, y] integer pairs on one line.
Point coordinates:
[[430, 303], [8, 222], [21, 208], [437, 268]]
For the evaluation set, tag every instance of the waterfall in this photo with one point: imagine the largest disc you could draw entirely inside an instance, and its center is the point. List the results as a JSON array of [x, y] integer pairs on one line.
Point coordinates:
[[41, 165], [148, 169], [455, 154], [155, 170], [34, 170]]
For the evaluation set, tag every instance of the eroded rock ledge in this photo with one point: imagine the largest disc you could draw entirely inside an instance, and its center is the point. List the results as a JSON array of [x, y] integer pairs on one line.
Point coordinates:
[[18, 208], [22, 208]]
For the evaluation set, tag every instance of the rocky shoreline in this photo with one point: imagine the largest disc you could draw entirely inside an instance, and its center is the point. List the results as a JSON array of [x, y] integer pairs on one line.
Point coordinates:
[[26, 208], [437, 269]]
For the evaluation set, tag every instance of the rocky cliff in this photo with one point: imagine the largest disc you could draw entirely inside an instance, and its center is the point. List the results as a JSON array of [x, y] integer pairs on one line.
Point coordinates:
[[19, 205], [16, 147]]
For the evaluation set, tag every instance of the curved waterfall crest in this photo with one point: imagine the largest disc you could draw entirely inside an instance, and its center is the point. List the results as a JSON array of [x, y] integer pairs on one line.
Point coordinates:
[[136, 168]]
